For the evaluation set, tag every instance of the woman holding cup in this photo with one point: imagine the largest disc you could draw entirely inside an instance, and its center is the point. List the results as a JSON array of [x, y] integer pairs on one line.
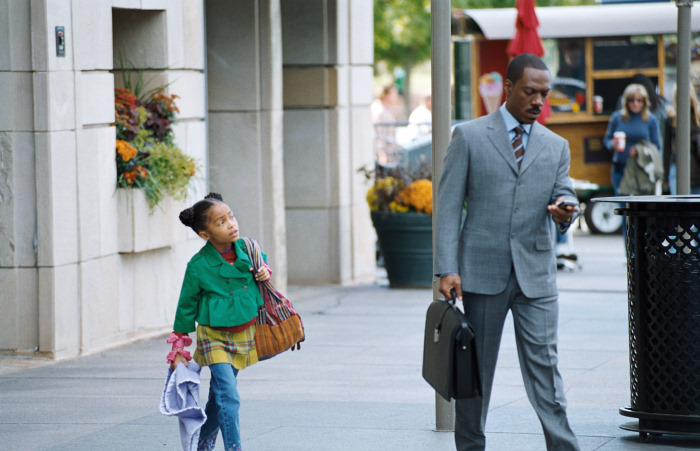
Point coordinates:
[[627, 126]]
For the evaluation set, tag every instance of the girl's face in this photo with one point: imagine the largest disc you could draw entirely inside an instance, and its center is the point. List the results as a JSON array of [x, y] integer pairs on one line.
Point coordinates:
[[222, 227], [636, 103]]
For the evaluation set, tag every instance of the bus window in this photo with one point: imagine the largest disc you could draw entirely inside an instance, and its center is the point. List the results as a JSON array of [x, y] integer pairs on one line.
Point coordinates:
[[566, 59]]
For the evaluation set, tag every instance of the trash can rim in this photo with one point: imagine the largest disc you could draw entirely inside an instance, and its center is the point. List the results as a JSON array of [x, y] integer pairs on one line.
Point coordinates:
[[682, 199]]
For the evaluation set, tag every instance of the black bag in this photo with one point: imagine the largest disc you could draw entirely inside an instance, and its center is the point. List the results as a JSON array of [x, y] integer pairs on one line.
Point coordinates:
[[449, 352]]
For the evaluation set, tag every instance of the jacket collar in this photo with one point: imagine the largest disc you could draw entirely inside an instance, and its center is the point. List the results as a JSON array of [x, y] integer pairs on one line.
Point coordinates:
[[215, 260], [498, 135]]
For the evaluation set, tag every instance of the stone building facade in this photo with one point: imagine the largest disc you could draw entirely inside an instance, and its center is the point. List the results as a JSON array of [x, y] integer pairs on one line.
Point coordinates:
[[274, 103]]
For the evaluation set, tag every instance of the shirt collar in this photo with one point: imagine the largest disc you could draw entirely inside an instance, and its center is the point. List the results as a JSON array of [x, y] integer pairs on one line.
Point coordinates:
[[512, 122]]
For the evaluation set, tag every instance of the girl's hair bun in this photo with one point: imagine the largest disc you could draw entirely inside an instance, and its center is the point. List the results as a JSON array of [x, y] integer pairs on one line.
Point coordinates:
[[216, 196], [187, 216]]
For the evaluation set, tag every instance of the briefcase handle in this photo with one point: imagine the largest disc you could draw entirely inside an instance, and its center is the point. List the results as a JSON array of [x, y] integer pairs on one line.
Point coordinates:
[[453, 292], [467, 333]]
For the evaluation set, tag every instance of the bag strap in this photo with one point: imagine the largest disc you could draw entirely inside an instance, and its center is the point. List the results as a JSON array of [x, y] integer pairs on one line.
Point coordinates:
[[267, 291]]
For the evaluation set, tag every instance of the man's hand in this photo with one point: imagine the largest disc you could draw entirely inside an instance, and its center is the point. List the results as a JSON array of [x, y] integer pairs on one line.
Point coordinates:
[[449, 283], [562, 214]]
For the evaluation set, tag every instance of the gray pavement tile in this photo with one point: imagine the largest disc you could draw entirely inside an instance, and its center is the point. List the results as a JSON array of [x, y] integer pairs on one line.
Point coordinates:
[[46, 388], [74, 409], [337, 439], [122, 437], [41, 436]]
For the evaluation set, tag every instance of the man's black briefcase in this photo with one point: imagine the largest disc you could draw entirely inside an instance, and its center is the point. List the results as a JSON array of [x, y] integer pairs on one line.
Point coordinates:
[[449, 352]]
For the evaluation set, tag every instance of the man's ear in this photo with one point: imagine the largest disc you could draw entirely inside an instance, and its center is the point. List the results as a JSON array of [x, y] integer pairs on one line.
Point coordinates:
[[507, 86]]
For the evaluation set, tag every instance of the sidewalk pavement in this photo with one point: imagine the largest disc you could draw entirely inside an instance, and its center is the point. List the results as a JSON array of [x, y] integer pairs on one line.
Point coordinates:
[[356, 384]]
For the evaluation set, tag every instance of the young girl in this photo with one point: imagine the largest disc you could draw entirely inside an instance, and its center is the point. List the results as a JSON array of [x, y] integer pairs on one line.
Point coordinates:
[[220, 294]]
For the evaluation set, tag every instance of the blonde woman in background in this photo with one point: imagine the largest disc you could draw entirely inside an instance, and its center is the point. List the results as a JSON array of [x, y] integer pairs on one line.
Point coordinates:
[[669, 154], [635, 120]]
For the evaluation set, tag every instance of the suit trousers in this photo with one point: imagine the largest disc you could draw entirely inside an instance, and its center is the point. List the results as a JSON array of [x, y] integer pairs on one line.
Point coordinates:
[[535, 322]]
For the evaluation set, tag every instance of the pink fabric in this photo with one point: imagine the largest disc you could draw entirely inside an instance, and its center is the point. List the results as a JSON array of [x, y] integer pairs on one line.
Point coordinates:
[[179, 342]]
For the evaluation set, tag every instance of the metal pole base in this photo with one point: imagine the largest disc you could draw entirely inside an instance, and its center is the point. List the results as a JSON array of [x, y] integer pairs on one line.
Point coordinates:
[[659, 424]]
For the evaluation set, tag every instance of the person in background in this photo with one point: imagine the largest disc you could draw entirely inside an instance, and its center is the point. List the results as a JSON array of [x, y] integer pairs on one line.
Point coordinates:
[[421, 118], [669, 154], [384, 128], [660, 109], [636, 121], [419, 123]]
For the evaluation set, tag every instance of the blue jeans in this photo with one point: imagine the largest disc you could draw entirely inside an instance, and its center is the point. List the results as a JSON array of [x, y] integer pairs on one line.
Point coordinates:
[[672, 179], [222, 409], [616, 176]]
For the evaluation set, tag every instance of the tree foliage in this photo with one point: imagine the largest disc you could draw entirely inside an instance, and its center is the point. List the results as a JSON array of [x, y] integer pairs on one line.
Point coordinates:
[[401, 32], [402, 27]]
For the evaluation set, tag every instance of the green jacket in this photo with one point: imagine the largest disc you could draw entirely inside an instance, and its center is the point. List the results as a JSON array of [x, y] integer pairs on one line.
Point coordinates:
[[217, 293]]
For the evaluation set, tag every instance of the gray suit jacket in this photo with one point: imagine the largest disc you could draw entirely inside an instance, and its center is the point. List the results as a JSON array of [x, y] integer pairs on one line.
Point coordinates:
[[507, 223]]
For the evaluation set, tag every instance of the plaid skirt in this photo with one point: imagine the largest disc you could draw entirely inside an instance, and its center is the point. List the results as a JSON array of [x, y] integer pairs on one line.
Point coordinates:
[[218, 346]]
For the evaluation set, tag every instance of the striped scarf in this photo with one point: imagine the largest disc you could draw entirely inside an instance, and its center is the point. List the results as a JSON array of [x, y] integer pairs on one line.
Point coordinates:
[[278, 326]]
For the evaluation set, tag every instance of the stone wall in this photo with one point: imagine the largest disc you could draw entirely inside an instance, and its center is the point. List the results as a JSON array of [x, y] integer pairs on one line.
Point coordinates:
[[84, 266], [328, 54]]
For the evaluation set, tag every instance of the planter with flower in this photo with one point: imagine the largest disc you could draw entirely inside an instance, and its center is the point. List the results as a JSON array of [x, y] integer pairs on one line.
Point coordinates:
[[151, 168], [401, 206]]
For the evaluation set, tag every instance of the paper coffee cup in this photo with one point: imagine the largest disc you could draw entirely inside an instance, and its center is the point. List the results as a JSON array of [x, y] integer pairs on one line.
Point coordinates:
[[598, 104], [619, 141]]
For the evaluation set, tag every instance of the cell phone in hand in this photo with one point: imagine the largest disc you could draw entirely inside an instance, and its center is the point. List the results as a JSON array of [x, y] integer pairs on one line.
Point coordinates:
[[563, 205]]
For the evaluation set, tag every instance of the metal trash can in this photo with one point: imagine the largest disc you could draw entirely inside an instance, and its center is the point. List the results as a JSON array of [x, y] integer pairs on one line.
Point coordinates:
[[663, 284]]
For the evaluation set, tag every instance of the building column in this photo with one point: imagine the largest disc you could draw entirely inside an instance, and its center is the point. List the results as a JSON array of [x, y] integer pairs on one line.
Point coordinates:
[[244, 92], [327, 54], [19, 327]]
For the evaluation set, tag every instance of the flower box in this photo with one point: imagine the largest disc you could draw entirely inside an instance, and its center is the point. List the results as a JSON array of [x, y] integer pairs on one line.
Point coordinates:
[[140, 227]]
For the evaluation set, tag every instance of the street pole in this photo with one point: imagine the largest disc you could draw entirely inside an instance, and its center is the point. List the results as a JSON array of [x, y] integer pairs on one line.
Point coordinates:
[[683, 98], [440, 15]]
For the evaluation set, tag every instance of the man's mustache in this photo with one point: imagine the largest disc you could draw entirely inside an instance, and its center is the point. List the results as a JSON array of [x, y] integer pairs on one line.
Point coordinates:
[[534, 110]]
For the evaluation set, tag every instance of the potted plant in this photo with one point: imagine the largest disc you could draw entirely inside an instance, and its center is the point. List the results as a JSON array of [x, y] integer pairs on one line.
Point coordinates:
[[147, 157], [151, 168], [401, 205]]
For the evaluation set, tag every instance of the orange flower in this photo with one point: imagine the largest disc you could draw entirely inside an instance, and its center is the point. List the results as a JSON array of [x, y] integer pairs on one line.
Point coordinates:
[[419, 195], [130, 176], [126, 150], [140, 171]]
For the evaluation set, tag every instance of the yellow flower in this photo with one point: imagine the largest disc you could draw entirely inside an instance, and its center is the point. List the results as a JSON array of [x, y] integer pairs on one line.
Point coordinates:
[[395, 207], [383, 192], [418, 195], [126, 150]]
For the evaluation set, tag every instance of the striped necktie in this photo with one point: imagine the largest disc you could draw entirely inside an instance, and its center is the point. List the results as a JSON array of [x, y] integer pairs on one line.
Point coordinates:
[[518, 146]]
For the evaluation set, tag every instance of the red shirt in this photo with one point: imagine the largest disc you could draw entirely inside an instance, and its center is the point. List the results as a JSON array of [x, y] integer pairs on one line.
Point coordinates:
[[230, 256]]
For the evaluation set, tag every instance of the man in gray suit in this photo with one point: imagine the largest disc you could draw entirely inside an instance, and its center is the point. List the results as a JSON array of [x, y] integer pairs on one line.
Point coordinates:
[[514, 174]]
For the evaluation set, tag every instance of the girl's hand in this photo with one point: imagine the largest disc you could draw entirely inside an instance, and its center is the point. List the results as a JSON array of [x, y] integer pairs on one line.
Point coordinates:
[[262, 275], [633, 151], [178, 358]]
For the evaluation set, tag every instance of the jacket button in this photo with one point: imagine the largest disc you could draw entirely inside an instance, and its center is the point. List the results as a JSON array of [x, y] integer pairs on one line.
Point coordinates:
[[230, 293], [226, 280], [245, 287]]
